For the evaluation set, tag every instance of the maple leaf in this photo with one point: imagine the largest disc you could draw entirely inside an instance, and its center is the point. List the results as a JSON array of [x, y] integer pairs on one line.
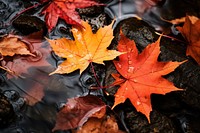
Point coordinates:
[[107, 124], [11, 45], [35, 68], [191, 32], [65, 9], [86, 48], [181, 20], [77, 111], [21, 64], [142, 75]]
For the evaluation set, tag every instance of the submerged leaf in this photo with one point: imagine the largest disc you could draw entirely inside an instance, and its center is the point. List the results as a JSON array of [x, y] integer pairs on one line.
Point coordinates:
[[12, 45], [77, 111], [104, 125], [21, 64]]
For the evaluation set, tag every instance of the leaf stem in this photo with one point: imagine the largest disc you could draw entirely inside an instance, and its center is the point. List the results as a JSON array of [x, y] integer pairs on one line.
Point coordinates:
[[95, 76]]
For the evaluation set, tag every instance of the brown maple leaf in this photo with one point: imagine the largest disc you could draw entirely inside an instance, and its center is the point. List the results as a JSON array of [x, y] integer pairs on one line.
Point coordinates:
[[142, 75], [191, 32], [86, 48], [77, 111], [107, 124], [35, 68], [21, 64], [12, 45], [65, 9]]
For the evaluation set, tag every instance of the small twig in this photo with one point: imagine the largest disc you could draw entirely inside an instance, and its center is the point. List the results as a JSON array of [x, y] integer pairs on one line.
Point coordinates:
[[170, 37]]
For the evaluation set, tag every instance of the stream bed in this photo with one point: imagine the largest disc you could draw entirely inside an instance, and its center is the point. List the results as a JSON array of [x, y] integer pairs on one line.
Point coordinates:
[[176, 112]]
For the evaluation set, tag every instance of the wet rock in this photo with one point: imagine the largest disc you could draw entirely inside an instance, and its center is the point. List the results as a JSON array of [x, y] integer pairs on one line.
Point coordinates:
[[96, 22], [15, 99], [159, 123], [171, 106], [90, 11], [172, 50], [95, 16], [6, 111], [28, 24], [137, 30], [138, 123], [187, 76]]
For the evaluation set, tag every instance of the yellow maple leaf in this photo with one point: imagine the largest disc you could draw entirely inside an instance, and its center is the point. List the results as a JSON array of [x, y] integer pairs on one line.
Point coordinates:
[[86, 47]]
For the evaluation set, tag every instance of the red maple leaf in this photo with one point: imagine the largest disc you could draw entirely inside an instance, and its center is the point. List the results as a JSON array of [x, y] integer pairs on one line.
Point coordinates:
[[65, 9], [77, 111], [142, 75]]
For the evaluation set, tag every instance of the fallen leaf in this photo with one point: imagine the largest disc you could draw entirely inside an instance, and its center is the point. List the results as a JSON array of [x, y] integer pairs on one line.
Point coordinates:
[[191, 32], [32, 70], [86, 48], [181, 20], [104, 125], [77, 111], [142, 75], [12, 45], [21, 64], [65, 9]]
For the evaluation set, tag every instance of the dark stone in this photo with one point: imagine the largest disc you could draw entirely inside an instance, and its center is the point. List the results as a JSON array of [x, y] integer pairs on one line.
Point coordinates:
[[29, 24], [96, 22], [137, 30], [6, 111], [136, 122], [90, 11]]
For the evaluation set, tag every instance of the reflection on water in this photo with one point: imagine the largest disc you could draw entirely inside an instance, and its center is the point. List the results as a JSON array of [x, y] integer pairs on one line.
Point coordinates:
[[45, 95], [38, 96], [122, 9], [152, 11]]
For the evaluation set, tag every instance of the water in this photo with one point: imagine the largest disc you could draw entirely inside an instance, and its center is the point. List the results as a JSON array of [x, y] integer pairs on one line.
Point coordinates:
[[152, 11], [122, 9], [37, 97]]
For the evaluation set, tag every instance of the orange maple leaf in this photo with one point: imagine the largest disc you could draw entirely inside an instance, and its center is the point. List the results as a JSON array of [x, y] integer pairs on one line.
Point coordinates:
[[191, 32], [65, 9], [86, 48], [11, 45], [142, 75]]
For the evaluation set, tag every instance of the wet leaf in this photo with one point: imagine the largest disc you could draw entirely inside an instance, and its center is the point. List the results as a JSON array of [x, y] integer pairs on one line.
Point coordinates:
[[12, 45], [77, 111], [65, 9], [142, 75], [86, 48], [191, 32], [21, 64], [182, 20], [103, 125]]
